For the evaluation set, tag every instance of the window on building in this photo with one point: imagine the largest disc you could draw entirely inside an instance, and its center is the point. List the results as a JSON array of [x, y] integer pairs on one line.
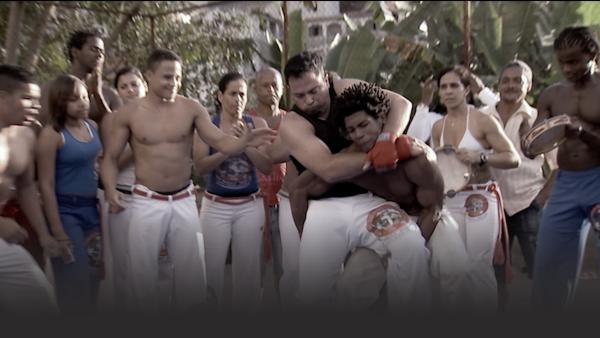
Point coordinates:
[[315, 30]]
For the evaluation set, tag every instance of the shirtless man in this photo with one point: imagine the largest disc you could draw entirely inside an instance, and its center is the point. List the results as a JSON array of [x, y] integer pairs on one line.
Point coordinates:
[[480, 143], [312, 138], [23, 285], [416, 185], [577, 187], [160, 129], [85, 50]]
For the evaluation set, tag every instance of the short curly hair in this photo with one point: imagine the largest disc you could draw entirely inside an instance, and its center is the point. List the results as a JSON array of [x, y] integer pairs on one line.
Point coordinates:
[[362, 96]]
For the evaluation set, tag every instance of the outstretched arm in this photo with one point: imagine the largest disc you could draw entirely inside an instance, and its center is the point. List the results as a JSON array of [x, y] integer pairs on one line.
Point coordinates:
[[228, 144], [299, 137]]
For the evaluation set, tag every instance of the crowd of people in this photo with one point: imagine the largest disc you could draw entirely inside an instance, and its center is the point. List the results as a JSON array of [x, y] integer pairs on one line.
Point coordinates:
[[358, 204]]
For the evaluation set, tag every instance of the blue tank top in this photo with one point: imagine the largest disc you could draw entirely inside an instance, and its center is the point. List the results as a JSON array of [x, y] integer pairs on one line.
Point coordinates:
[[75, 174], [234, 177]]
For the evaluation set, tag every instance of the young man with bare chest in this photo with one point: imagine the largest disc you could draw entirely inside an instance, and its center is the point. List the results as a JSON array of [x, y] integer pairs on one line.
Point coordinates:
[[575, 195], [160, 129], [23, 286]]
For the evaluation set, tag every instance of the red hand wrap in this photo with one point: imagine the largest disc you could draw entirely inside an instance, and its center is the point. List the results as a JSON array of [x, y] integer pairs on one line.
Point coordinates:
[[403, 147], [383, 154]]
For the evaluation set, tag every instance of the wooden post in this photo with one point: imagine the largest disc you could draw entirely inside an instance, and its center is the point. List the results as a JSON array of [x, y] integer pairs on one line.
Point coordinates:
[[284, 52], [467, 32], [36, 41], [152, 37], [13, 33]]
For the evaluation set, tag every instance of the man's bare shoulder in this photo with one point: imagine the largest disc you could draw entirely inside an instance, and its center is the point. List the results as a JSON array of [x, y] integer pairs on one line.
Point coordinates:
[[555, 89], [339, 85], [293, 125], [189, 105], [293, 120]]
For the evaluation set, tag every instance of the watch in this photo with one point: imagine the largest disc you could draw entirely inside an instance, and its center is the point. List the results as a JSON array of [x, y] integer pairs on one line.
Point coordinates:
[[483, 158]]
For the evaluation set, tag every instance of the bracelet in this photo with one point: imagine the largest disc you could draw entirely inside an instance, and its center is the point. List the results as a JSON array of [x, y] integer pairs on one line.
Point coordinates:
[[483, 158]]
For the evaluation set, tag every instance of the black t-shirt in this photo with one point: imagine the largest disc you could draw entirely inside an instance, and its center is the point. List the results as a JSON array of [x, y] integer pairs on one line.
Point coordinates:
[[329, 133]]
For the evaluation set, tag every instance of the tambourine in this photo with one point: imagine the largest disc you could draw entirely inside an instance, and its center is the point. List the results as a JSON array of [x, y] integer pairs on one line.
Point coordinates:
[[455, 172], [545, 136]]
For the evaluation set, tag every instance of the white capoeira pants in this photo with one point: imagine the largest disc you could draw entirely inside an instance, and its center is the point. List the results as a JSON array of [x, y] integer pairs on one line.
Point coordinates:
[[290, 246], [242, 225], [24, 288], [176, 224], [476, 213], [335, 226], [118, 242], [449, 261]]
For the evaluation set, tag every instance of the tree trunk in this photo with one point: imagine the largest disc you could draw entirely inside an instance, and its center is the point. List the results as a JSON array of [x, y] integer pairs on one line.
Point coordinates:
[[13, 33], [35, 43], [112, 39], [285, 51]]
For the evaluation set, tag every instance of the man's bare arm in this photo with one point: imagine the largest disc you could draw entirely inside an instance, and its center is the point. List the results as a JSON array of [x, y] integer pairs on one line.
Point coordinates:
[[126, 157], [119, 135], [298, 136], [227, 144], [426, 176], [204, 162], [28, 196], [257, 155], [303, 187]]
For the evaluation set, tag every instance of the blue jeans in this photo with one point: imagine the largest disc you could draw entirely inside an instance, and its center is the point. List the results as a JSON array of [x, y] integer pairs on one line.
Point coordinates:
[[524, 225], [77, 283], [559, 238]]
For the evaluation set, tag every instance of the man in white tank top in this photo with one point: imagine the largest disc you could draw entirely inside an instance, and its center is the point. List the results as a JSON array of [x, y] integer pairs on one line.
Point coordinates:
[[480, 143]]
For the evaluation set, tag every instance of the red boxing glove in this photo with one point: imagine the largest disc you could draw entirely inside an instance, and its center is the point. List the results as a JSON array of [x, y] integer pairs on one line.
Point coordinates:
[[403, 147], [383, 155]]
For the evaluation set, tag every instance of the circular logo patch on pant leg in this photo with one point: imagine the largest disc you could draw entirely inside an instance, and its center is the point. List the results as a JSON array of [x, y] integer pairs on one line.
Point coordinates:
[[476, 205], [385, 219]]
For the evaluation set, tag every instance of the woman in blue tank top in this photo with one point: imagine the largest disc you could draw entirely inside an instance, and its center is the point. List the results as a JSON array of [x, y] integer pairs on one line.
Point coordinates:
[[232, 209], [66, 154]]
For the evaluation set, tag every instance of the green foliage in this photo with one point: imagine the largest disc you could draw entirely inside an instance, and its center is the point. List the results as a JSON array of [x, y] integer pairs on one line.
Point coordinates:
[[500, 32], [209, 45]]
